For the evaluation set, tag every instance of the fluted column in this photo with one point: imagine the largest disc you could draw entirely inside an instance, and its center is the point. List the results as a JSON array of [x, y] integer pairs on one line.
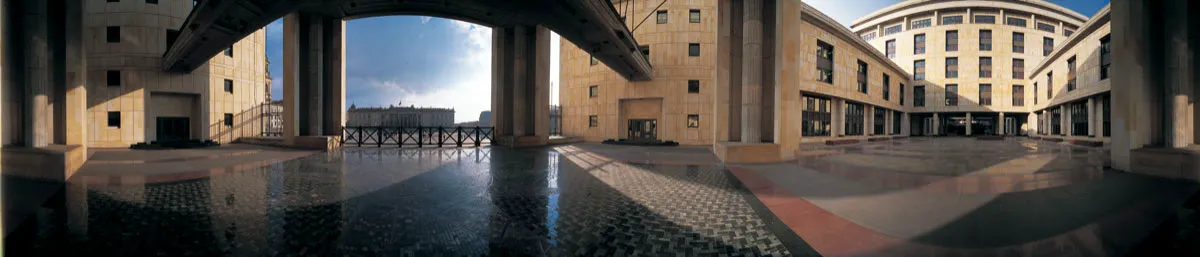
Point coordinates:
[[752, 32], [314, 68], [1000, 130]]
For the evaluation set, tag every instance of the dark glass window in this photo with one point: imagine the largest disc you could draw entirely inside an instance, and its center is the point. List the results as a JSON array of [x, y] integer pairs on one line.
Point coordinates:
[[114, 119], [985, 67], [693, 120], [114, 78], [1018, 95], [152, 1], [901, 94], [594, 61], [985, 94], [892, 30], [918, 69], [1045, 27], [951, 20], [228, 119], [862, 76], [985, 40], [593, 91], [917, 24], [952, 67], [1047, 46], [662, 17], [229, 86], [229, 51], [880, 123], [113, 1], [919, 96], [1068, 32], [593, 121], [1079, 118], [952, 40], [854, 119], [815, 119], [868, 36], [1056, 120], [1106, 101], [824, 62], [693, 86], [1018, 69], [1049, 85], [171, 36], [896, 118], [693, 49], [919, 44], [113, 34], [887, 85], [694, 16], [1071, 74], [1105, 58], [891, 48], [1035, 90], [952, 95], [1018, 43], [985, 19], [1015, 22]]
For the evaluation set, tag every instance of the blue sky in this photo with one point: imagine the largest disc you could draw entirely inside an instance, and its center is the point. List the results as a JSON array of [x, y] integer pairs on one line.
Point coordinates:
[[423, 61]]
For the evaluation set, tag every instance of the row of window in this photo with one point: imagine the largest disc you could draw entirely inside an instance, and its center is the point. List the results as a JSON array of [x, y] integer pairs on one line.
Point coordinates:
[[693, 51], [693, 16], [985, 95], [693, 121], [113, 77], [816, 118], [958, 19], [1072, 65], [693, 87], [985, 68], [1078, 114], [825, 72], [985, 43], [114, 119]]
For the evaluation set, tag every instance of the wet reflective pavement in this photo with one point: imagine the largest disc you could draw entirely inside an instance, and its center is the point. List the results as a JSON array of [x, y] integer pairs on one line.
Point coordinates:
[[415, 202]]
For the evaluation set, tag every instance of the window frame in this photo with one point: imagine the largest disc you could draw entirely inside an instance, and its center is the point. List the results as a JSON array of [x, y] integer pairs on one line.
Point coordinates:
[[948, 67], [951, 95], [985, 40], [661, 17], [693, 49], [113, 78], [920, 24], [112, 34], [1018, 68], [1047, 46], [593, 91], [694, 16], [887, 86], [919, 43], [952, 20], [825, 74], [890, 30], [864, 77], [1018, 95], [1071, 72], [114, 119], [985, 94], [593, 121], [690, 118], [919, 67], [693, 86], [816, 116], [228, 119], [855, 120], [918, 95], [952, 41], [1012, 21], [228, 86], [1018, 45], [985, 67], [1105, 57], [890, 47], [992, 19]]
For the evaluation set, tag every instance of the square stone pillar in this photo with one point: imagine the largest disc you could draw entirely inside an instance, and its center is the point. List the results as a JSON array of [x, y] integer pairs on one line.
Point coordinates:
[[1091, 114], [313, 80], [1064, 124], [969, 125], [837, 117], [1000, 124], [752, 71], [937, 124], [520, 85]]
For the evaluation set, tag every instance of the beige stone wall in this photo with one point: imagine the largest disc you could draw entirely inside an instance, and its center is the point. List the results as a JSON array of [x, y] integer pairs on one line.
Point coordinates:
[[1089, 86], [672, 69], [138, 56]]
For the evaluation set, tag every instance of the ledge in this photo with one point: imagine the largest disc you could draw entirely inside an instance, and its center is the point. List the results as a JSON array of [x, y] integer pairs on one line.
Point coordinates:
[[738, 152], [50, 163]]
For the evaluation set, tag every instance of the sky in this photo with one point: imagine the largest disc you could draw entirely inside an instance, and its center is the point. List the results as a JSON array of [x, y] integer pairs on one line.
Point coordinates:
[[435, 62]]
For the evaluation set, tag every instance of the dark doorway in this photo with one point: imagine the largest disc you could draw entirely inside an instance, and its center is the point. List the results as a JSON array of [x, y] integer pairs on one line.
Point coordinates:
[[173, 129], [643, 129]]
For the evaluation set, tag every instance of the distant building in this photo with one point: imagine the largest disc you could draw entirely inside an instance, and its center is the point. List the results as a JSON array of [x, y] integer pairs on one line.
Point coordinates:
[[485, 118], [393, 116]]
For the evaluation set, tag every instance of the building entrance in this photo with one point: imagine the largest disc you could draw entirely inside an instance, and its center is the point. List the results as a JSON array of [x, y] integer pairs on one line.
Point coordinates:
[[173, 129], [642, 129]]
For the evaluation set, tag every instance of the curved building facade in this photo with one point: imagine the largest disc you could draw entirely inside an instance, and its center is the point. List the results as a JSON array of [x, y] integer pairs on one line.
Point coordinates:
[[131, 99]]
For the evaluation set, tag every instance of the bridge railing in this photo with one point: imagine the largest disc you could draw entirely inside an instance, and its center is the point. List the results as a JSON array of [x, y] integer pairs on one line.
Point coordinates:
[[418, 136]]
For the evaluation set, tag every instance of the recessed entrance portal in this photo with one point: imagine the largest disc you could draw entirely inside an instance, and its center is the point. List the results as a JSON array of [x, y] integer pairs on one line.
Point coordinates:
[[642, 129], [173, 129]]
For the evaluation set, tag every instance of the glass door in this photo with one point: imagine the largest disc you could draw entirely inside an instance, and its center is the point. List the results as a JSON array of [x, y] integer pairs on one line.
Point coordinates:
[[642, 129]]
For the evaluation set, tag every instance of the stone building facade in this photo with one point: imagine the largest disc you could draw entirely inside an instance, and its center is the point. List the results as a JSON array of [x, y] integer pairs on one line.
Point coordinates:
[[131, 99], [402, 116]]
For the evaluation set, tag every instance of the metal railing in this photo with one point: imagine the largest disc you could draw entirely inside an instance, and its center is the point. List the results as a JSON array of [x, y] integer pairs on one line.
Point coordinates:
[[555, 120], [419, 136]]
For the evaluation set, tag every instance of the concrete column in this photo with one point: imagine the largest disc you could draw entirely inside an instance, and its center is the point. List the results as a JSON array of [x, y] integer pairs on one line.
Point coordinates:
[[74, 119], [888, 125], [38, 107], [968, 124], [752, 32], [520, 85], [1099, 116], [1133, 110], [314, 78], [1064, 123], [838, 117], [1000, 125], [1177, 73], [1091, 114], [937, 124]]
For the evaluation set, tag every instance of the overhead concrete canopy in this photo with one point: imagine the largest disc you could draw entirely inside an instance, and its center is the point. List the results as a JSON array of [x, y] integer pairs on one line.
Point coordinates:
[[593, 25]]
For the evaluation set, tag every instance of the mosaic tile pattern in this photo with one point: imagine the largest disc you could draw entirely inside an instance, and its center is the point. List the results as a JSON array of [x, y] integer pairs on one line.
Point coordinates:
[[412, 202]]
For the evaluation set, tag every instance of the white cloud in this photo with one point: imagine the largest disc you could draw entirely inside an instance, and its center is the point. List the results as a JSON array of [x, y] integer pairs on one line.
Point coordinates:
[[425, 20]]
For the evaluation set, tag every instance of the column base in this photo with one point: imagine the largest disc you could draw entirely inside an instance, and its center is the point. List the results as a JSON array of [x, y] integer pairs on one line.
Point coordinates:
[[1176, 163], [520, 141], [738, 152], [323, 143], [51, 163]]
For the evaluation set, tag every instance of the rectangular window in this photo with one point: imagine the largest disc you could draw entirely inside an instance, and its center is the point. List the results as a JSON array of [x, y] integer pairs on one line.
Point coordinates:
[[693, 49], [1018, 95], [918, 69], [114, 78], [662, 17], [1018, 43], [880, 120], [854, 119], [1049, 85], [593, 121], [1015, 22], [1047, 46], [1079, 118], [951, 20], [901, 94], [593, 91], [1018, 69], [951, 40], [816, 115], [152, 1], [1071, 74], [1068, 32], [952, 67], [892, 30], [887, 85], [593, 61], [694, 86], [1045, 27], [985, 40], [171, 36], [694, 16], [1035, 90], [891, 48], [919, 96], [917, 24], [113, 1], [985, 67], [896, 118], [868, 36], [985, 19], [229, 51], [693, 120], [229, 86], [229, 120], [114, 119], [985, 94], [824, 62], [113, 34], [951, 95], [1105, 58], [1056, 120], [862, 76], [1105, 100], [919, 44]]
